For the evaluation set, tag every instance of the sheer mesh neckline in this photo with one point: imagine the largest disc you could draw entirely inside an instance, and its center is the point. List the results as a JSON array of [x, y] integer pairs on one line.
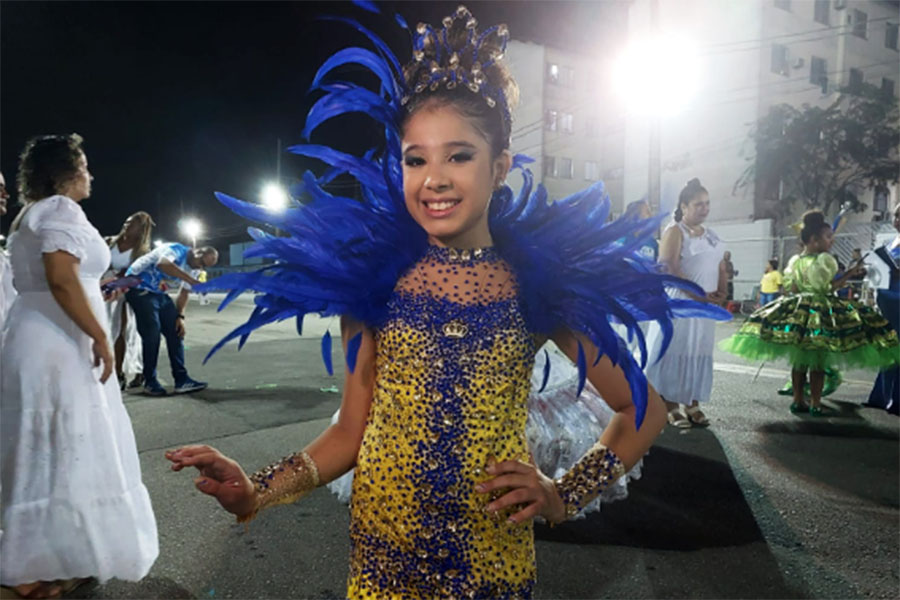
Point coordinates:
[[462, 276], [447, 255]]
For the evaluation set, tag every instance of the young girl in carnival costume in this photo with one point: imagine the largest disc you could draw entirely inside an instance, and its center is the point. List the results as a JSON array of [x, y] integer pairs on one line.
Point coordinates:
[[810, 326], [447, 284]]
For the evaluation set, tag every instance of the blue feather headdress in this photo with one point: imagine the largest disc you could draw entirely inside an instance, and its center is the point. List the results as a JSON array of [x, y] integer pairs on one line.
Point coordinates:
[[343, 256]]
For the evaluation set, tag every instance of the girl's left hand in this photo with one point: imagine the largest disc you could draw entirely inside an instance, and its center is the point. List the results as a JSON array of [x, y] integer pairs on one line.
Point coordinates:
[[527, 486]]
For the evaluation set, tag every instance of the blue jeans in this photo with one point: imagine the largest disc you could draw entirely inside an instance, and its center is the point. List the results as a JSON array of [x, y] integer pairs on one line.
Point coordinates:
[[155, 313], [765, 298]]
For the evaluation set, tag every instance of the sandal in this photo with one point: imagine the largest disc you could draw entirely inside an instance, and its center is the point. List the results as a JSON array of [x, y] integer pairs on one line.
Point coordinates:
[[797, 408], [44, 589], [70, 585], [677, 418], [815, 411], [696, 416], [38, 589]]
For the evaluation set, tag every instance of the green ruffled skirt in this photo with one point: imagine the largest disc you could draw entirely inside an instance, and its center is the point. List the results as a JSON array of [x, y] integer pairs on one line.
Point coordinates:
[[816, 331]]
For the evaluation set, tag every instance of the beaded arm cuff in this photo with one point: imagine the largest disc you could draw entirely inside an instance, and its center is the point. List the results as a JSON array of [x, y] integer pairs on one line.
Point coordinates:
[[592, 474], [283, 482]]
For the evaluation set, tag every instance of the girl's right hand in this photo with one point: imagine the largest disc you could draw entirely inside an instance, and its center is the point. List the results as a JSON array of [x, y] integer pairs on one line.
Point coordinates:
[[220, 477]]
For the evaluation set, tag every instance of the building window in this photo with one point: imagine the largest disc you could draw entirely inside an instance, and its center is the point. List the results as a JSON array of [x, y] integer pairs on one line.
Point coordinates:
[[780, 59], [890, 36], [783, 4], [566, 170], [856, 81], [567, 122], [593, 127], [820, 12], [550, 118], [567, 77], [549, 166], [591, 170], [860, 24], [552, 73], [887, 87], [818, 73]]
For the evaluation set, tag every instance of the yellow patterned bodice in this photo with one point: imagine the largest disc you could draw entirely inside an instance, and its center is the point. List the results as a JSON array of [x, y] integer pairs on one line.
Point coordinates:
[[454, 362]]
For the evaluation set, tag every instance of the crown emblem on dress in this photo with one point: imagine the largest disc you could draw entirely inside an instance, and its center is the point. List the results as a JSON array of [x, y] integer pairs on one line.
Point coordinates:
[[458, 55], [455, 329]]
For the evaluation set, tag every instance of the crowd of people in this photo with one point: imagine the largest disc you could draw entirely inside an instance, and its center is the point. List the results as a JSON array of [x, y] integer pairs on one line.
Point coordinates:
[[443, 386], [74, 311]]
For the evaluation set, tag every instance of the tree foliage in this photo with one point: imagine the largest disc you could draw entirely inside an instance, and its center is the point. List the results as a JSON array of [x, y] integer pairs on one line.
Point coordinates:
[[818, 156]]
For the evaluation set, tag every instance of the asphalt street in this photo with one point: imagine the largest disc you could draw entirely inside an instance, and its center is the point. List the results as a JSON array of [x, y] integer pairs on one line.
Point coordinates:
[[762, 504]]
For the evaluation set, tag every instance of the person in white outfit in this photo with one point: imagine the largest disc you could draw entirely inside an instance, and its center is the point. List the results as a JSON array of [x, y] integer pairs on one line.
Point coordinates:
[[131, 243], [73, 504], [692, 251], [7, 291]]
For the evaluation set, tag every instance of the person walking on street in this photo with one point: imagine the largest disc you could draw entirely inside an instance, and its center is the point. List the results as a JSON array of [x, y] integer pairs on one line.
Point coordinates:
[[156, 313], [132, 242], [683, 376], [811, 327], [74, 505], [7, 291], [729, 270], [770, 284]]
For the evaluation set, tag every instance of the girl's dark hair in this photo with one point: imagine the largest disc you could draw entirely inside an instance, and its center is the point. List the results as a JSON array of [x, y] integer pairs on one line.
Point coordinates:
[[693, 189], [47, 162], [773, 262], [813, 225], [490, 121]]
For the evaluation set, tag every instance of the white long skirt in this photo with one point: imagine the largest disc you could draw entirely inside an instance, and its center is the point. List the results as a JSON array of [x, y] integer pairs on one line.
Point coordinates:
[[561, 427], [73, 504], [685, 372], [133, 362]]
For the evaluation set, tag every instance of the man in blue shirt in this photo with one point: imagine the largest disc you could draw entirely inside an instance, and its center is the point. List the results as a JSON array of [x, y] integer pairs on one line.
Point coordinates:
[[156, 314]]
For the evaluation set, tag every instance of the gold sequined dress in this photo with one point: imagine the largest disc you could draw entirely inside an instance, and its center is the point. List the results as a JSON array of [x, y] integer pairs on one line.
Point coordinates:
[[454, 362]]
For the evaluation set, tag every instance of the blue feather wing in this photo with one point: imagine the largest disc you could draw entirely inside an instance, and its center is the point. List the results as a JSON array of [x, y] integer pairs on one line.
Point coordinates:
[[326, 352], [341, 256]]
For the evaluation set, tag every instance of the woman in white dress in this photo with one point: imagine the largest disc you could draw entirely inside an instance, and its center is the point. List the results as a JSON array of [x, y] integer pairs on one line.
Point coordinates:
[[683, 377], [73, 504], [131, 243]]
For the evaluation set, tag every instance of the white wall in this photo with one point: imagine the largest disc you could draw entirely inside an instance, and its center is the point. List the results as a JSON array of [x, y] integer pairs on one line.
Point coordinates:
[[751, 246]]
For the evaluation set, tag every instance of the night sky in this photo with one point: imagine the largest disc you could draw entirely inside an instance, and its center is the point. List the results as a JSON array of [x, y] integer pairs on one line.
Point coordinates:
[[177, 100]]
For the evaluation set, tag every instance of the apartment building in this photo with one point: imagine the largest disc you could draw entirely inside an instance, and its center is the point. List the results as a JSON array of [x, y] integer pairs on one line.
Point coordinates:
[[565, 120], [755, 54]]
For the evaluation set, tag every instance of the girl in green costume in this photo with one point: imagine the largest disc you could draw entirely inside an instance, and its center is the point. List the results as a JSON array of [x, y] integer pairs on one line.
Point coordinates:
[[810, 326]]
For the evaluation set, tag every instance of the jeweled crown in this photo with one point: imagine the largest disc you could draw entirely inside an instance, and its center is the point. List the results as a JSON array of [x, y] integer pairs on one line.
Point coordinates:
[[458, 55]]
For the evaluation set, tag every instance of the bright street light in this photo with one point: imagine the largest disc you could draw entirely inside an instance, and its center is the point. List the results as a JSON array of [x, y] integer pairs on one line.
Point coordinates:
[[658, 76], [192, 228], [274, 197]]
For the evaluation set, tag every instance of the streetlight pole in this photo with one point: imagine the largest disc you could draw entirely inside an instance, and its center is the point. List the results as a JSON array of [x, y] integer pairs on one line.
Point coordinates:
[[654, 160], [278, 162]]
